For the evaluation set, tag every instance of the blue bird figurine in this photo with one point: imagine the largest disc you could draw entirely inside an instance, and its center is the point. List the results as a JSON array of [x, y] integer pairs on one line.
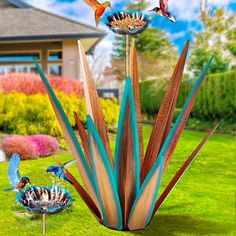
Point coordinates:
[[59, 170], [16, 181], [163, 10]]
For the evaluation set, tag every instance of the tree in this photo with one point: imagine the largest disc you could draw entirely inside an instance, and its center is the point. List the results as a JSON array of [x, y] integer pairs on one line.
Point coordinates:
[[231, 44], [156, 54], [216, 39], [97, 65], [205, 8]]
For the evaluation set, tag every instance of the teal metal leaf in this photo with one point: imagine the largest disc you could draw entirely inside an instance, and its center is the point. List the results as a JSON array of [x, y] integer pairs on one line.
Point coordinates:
[[105, 183]]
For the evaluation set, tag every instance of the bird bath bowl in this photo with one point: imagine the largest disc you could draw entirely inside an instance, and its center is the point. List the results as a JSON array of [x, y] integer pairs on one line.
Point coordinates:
[[128, 22], [44, 200]]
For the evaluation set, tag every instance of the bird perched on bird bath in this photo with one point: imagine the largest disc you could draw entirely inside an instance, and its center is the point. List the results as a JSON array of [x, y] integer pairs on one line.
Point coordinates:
[[16, 181]]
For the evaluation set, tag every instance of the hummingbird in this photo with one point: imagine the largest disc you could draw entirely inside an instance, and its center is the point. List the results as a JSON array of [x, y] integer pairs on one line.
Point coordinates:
[[98, 7], [59, 170], [163, 10], [16, 181]]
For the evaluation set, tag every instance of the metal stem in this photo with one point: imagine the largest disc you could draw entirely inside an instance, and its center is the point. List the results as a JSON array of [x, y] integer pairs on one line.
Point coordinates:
[[127, 55], [44, 224]]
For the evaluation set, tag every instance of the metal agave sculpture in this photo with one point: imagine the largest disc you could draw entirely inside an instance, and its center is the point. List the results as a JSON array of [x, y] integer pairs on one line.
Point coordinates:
[[122, 191]]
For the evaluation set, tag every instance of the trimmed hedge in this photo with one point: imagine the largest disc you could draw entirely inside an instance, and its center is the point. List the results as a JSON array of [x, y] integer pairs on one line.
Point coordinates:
[[151, 95], [21, 114], [216, 100], [30, 147], [30, 84]]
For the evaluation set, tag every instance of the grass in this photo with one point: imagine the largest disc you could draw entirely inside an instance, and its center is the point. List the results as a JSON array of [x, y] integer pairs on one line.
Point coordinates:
[[203, 202]]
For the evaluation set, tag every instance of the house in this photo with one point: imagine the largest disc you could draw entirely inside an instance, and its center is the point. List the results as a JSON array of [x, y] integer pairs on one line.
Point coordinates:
[[27, 32]]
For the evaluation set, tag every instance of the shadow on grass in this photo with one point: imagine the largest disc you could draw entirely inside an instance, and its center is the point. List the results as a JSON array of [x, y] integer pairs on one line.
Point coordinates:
[[184, 224]]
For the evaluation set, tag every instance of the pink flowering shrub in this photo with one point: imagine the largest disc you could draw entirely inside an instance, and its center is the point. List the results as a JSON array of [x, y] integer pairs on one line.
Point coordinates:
[[30, 84], [21, 145], [30, 147], [45, 144]]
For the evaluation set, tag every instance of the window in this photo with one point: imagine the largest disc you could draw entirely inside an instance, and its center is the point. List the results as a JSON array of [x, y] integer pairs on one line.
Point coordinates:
[[54, 55], [5, 69], [19, 56], [108, 95], [54, 62], [18, 61], [55, 69]]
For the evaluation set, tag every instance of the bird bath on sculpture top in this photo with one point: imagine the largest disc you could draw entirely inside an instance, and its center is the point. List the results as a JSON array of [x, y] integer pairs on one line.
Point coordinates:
[[44, 200], [128, 23]]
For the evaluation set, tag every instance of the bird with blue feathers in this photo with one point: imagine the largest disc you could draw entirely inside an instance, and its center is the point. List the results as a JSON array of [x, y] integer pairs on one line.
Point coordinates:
[[16, 181], [59, 171]]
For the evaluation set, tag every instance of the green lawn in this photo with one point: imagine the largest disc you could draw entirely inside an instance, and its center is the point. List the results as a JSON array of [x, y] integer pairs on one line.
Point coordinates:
[[203, 202]]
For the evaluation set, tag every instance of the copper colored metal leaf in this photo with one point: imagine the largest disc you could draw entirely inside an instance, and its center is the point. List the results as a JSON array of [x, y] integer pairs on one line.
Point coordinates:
[[135, 81], [173, 137], [181, 171], [75, 148], [92, 101], [164, 117], [127, 167], [83, 137], [83, 194]]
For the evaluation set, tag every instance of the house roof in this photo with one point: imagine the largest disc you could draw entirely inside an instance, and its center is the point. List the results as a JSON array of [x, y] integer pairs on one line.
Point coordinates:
[[24, 22]]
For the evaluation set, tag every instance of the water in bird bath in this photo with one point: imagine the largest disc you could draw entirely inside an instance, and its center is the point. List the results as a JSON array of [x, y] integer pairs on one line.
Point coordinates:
[[59, 182]]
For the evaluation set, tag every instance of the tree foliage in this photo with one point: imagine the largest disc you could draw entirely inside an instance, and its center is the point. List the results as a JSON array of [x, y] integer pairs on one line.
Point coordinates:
[[218, 38]]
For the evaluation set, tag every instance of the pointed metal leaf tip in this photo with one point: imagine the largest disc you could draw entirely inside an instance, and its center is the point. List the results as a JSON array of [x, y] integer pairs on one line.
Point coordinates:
[[136, 91], [181, 171], [104, 178], [127, 167], [92, 101]]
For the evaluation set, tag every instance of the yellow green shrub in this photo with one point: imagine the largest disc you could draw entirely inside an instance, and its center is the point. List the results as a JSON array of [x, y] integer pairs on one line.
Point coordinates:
[[21, 114]]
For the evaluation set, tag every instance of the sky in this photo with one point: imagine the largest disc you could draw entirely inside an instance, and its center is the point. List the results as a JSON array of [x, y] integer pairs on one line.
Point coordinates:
[[185, 11]]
